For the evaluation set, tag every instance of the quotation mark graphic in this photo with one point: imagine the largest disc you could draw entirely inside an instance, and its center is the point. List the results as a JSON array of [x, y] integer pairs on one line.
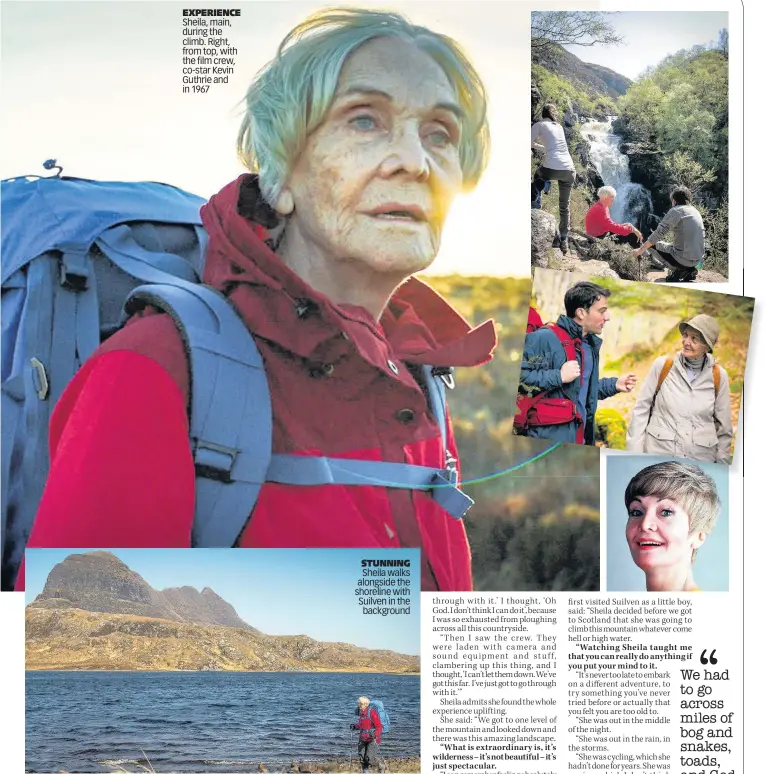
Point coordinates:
[[711, 659]]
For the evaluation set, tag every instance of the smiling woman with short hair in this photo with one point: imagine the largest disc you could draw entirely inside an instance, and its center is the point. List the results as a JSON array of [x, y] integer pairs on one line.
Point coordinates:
[[358, 136], [671, 509]]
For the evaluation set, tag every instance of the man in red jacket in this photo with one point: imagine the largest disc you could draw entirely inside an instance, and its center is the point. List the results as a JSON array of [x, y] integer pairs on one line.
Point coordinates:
[[370, 727], [356, 172], [598, 223]]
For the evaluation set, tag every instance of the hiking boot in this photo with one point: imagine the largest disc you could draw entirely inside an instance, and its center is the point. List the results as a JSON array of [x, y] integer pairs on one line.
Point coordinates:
[[564, 245], [682, 275]]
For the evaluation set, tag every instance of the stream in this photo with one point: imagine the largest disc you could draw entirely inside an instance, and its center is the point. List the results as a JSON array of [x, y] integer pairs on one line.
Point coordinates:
[[633, 201]]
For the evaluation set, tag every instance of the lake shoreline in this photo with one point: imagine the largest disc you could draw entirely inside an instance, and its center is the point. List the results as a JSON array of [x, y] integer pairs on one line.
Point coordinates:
[[409, 765]]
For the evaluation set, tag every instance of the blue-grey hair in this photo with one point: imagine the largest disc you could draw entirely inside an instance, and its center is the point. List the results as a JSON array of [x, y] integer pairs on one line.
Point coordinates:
[[289, 98]]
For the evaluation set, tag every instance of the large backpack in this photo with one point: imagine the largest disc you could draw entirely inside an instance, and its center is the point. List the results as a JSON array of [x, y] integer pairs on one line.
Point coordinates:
[[535, 410], [78, 256], [381, 713]]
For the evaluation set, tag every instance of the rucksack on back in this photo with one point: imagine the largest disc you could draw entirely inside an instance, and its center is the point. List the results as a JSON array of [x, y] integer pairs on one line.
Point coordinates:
[[534, 410], [78, 257], [381, 713]]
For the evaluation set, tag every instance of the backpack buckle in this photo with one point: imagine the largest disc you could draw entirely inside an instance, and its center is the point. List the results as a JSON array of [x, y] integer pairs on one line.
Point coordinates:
[[445, 374], [450, 472], [211, 460], [40, 378], [74, 271]]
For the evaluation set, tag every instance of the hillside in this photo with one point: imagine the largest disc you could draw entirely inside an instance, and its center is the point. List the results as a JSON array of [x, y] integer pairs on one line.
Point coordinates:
[[96, 613], [79, 639], [593, 79], [99, 582]]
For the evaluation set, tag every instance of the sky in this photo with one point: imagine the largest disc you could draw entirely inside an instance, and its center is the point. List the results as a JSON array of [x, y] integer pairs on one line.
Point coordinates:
[[109, 105], [649, 36], [278, 591]]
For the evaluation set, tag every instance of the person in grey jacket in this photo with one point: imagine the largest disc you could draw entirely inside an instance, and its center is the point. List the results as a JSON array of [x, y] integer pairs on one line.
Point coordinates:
[[689, 416], [545, 365], [687, 248]]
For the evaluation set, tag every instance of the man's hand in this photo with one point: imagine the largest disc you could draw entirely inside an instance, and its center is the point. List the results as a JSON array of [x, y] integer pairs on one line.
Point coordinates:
[[626, 383], [569, 371]]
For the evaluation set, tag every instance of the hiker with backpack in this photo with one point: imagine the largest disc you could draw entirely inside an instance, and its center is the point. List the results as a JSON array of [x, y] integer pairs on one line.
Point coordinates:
[[370, 728], [560, 384], [684, 406], [352, 172]]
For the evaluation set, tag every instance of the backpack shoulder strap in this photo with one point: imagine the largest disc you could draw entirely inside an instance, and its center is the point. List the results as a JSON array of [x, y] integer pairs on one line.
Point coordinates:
[[442, 483], [665, 369], [230, 412], [716, 376], [569, 344]]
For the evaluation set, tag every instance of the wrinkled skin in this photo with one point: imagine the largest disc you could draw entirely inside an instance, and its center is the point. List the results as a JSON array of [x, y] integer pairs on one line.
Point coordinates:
[[368, 196]]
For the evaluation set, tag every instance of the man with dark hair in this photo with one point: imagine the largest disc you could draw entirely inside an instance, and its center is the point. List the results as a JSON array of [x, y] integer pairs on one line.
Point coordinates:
[[687, 248], [571, 385]]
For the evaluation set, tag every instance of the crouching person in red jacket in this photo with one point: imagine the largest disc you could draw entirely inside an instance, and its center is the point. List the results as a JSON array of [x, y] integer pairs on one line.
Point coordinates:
[[370, 727], [358, 136], [598, 222]]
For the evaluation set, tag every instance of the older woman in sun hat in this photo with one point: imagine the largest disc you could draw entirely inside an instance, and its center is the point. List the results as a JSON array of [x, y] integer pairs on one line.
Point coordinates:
[[683, 408]]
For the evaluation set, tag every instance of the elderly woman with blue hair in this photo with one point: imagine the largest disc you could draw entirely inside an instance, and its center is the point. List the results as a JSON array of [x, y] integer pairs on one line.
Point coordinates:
[[358, 135]]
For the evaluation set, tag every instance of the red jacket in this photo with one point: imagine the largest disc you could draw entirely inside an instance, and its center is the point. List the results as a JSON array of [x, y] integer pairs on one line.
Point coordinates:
[[598, 221], [370, 725], [121, 468]]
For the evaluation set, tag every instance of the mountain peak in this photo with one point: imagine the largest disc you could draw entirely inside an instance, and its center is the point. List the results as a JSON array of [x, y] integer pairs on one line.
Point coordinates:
[[99, 582]]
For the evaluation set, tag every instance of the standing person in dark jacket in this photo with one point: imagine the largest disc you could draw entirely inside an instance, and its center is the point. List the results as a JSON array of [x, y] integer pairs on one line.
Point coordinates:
[[370, 727], [545, 365]]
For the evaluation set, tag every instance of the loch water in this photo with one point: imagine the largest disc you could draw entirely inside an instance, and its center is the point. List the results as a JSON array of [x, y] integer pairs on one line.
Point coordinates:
[[208, 721]]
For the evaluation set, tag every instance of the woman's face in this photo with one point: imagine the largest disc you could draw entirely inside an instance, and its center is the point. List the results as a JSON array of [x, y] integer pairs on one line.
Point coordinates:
[[694, 346], [658, 533], [377, 178]]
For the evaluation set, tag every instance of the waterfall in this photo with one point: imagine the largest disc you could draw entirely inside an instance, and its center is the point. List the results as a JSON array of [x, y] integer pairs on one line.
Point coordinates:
[[633, 201]]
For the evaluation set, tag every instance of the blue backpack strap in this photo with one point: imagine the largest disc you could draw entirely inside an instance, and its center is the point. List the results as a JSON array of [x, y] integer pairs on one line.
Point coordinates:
[[317, 471], [230, 413], [441, 482]]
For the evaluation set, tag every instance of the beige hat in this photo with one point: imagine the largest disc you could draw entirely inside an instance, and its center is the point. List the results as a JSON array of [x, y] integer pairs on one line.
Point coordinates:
[[707, 326]]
